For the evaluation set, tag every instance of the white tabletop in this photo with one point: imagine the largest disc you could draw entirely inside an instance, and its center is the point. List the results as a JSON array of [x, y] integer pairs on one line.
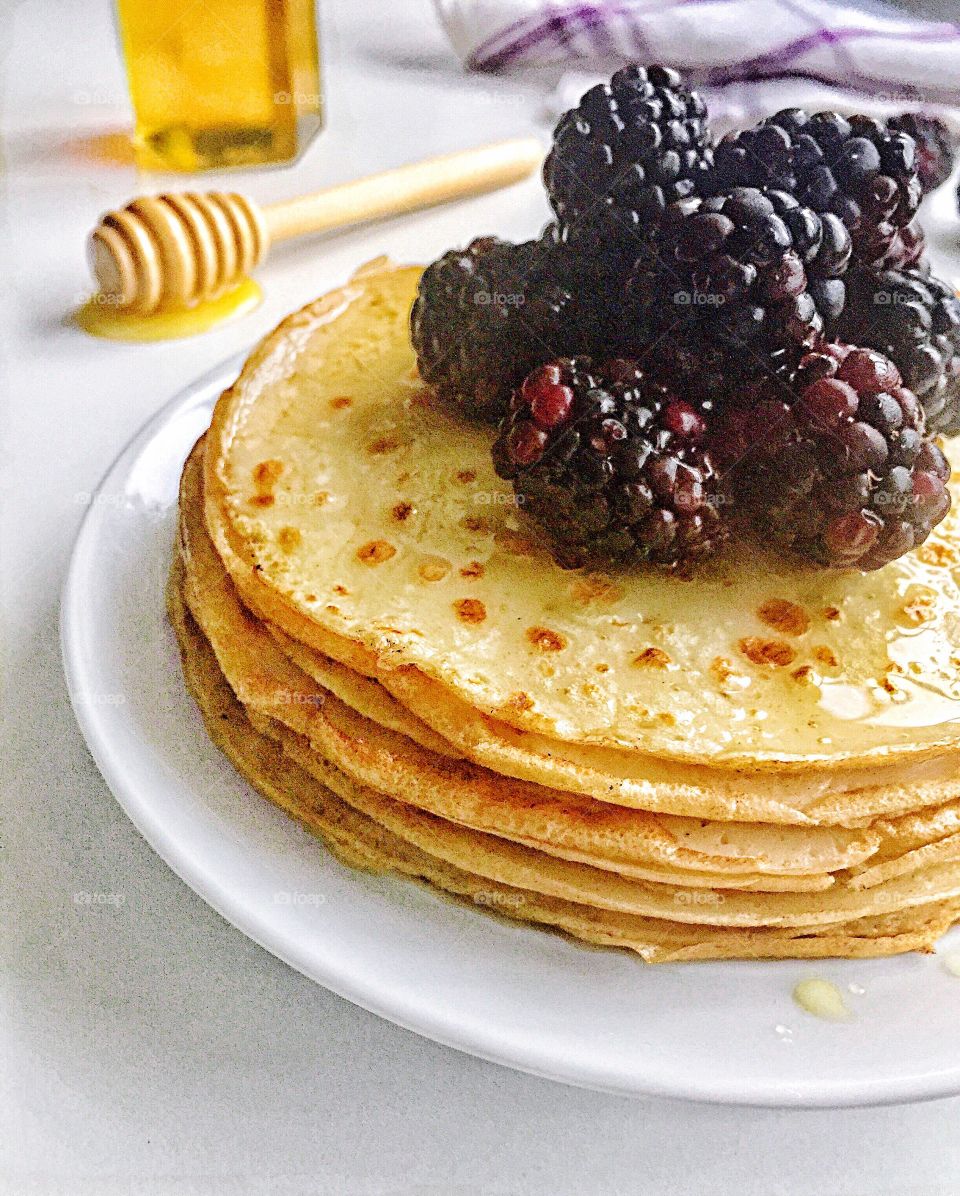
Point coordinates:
[[147, 1045]]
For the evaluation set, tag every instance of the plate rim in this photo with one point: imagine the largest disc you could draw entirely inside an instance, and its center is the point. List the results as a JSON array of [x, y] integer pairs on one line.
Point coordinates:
[[421, 1017]]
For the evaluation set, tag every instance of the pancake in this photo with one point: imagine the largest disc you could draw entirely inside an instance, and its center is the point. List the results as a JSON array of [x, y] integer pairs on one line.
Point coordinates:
[[364, 521], [360, 842], [266, 681]]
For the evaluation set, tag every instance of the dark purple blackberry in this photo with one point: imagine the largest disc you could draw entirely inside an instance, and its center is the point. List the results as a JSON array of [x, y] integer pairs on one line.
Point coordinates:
[[936, 146], [747, 267], [610, 466], [914, 319], [626, 152], [842, 472], [858, 169], [485, 315]]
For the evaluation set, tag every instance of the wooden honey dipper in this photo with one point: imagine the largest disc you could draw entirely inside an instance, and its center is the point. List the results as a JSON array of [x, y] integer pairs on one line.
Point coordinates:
[[170, 251]]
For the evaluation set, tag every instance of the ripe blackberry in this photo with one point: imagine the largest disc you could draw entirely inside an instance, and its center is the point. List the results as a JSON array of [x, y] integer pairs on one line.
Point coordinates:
[[485, 315], [628, 150], [913, 318], [858, 169], [610, 466], [936, 146], [841, 473], [747, 266]]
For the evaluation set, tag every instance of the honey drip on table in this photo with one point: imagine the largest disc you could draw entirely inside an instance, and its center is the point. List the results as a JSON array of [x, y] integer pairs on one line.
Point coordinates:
[[100, 318]]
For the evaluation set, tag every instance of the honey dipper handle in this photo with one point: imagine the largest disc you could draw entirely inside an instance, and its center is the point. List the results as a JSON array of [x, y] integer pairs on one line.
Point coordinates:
[[407, 188]]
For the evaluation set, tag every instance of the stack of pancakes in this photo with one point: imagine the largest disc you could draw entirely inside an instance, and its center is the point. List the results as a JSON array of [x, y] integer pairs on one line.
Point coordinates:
[[755, 761]]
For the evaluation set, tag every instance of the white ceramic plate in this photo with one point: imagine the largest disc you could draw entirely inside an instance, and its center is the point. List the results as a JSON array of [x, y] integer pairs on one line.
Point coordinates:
[[522, 997]]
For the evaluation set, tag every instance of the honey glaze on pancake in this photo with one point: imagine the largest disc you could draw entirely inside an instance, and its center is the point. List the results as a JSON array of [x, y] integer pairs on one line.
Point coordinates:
[[344, 497]]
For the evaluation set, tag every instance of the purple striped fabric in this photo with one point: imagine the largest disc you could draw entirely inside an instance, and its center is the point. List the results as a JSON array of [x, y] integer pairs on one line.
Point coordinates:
[[718, 42]]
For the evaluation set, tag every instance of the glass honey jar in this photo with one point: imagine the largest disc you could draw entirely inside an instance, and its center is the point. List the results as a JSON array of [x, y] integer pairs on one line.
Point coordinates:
[[223, 83]]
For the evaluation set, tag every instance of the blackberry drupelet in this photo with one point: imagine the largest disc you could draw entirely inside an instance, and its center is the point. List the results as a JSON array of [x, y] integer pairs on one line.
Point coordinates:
[[913, 318], [749, 267], [936, 146], [627, 151], [611, 466], [842, 473], [485, 315], [858, 169]]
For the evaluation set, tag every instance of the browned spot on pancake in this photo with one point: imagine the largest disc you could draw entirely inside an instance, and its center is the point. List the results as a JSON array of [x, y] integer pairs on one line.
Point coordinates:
[[384, 444], [518, 703], [919, 604], [887, 685], [340, 402], [473, 569], [476, 523], [832, 613], [341, 590], [466, 475], [602, 668], [310, 598], [803, 673], [470, 610], [936, 553], [595, 587], [402, 510], [826, 656], [433, 568], [513, 543], [263, 500], [784, 616], [762, 651], [666, 718], [545, 639], [652, 658], [375, 552], [320, 498], [726, 676], [288, 538], [331, 609], [267, 473]]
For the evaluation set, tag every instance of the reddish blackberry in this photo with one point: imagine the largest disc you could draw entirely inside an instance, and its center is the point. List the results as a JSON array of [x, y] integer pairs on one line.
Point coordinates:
[[485, 315], [842, 474], [858, 169], [627, 151], [749, 267], [610, 466], [936, 146], [914, 318]]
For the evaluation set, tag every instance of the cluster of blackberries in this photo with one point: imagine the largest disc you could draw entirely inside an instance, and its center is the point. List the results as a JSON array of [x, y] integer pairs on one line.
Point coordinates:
[[711, 339]]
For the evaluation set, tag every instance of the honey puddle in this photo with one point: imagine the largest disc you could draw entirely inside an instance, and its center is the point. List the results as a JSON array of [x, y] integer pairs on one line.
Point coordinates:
[[99, 318]]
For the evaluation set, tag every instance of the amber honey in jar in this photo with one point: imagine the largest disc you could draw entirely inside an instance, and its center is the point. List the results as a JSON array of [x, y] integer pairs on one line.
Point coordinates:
[[221, 83]]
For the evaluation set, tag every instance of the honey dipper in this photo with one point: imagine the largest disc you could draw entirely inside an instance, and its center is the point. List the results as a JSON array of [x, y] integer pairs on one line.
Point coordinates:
[[174, 250]]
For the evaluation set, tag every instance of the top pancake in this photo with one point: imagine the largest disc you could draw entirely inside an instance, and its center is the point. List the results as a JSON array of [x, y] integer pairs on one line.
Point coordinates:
[[357, 515]]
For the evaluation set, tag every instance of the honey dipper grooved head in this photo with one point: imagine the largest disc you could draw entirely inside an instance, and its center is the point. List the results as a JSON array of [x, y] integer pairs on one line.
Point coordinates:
[[163, 252]]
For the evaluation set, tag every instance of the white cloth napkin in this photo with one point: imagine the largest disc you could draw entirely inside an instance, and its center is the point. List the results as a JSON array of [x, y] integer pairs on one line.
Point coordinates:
[[748, 54]]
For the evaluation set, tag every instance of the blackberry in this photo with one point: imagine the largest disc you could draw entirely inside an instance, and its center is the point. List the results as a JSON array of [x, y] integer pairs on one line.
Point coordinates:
[[611, 466], [623, 155], [840, 473], [485, 315], [936, 146], [747, 266], [913, 318], [857, 169]]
